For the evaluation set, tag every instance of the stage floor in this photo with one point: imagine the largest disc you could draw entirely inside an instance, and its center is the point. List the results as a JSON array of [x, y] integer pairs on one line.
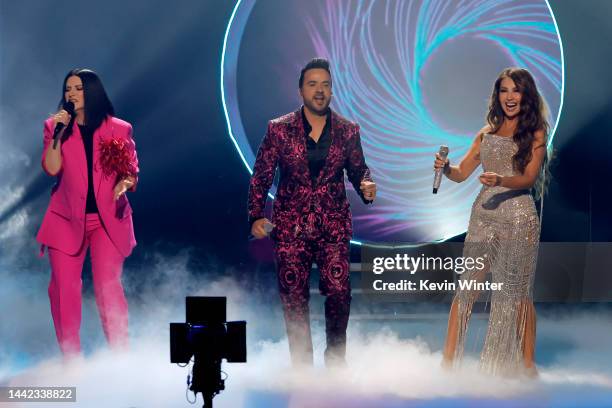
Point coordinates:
[[391, 363]]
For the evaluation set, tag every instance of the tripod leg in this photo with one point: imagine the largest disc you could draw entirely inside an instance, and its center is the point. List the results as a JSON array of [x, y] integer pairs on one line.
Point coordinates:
[[208, 400]]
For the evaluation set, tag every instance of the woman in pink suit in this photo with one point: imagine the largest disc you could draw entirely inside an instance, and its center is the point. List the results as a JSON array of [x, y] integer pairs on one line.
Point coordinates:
[[95, 164]]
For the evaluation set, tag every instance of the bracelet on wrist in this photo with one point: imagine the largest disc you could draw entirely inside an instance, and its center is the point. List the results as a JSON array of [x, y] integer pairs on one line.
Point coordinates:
[[446, 169]]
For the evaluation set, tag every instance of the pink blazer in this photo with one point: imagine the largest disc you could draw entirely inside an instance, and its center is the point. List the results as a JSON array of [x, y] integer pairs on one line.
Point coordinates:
[[63, 226]]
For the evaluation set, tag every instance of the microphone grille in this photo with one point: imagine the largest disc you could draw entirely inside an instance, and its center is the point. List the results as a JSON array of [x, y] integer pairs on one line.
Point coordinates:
[[443, 152], [69, 107]]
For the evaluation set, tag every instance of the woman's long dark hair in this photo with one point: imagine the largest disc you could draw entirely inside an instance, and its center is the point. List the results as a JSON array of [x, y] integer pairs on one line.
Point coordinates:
[[97, 104], [532, 115]]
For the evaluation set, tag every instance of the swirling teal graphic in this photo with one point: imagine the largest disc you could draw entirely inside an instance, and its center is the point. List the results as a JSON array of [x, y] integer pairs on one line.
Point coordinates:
[[414, 75]]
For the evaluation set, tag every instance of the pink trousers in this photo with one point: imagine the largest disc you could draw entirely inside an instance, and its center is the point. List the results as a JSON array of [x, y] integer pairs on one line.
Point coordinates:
[[66, 283]]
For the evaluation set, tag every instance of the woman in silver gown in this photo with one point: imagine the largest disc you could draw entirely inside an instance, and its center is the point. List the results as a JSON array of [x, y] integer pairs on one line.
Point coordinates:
[[504, 227]]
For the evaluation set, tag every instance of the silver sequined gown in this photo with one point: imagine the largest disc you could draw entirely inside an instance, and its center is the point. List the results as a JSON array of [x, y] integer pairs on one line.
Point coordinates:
[[504, 228]]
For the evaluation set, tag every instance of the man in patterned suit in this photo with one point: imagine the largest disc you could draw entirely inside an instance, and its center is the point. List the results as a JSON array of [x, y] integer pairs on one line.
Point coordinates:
[[311, 218]]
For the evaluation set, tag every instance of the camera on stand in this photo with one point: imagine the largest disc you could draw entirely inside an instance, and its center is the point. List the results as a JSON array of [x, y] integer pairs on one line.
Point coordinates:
[[208, 338]]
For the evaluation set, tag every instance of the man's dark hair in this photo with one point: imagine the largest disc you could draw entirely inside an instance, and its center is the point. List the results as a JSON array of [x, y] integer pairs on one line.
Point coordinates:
[[321, 63]]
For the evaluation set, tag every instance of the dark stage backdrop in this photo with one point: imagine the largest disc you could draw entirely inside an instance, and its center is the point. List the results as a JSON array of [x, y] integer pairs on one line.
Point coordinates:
[[160, 63]]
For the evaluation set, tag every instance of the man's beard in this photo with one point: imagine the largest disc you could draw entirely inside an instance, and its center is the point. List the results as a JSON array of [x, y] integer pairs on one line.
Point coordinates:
[[315, 108]]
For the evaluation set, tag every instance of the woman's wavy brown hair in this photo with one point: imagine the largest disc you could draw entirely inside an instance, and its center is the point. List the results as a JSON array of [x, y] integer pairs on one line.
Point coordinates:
[[532, 115]]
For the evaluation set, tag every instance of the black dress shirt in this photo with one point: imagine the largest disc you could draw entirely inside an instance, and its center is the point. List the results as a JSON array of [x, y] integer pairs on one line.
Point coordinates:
[[317, 151], [87, 134]]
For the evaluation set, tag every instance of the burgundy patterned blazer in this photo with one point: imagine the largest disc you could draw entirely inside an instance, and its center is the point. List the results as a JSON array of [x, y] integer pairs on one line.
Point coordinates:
[[302, 210]]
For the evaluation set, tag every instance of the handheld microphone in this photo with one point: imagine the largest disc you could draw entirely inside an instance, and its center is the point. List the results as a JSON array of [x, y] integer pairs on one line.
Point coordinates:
[[443, 152], [68, 107], [268, 227]]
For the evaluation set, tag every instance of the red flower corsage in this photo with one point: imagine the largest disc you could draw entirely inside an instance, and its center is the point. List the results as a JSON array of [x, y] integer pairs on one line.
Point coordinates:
[[117, 156]]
